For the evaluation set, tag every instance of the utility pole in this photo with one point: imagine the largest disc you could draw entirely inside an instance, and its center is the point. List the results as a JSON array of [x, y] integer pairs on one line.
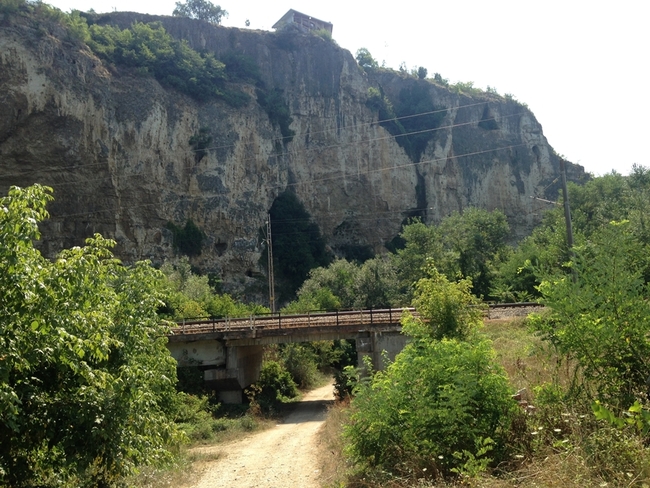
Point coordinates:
[[269, 245], [567, 219], [567, 209]]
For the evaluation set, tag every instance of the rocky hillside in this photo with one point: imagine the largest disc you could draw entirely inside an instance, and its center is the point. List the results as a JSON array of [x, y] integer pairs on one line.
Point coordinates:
[[121, 151]]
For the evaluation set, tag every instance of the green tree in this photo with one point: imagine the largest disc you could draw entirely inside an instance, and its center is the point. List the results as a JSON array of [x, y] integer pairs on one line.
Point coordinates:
[[365, 59], [464, 245], [476, 236], [601, 320], [200, 9], [442, 404], [86, 381], [373, 284], [449, 309]]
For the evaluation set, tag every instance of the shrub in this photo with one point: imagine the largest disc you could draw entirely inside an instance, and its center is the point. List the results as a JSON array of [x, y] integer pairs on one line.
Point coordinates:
[[300, 362], [274, 386], [601, 319], [427, 412]]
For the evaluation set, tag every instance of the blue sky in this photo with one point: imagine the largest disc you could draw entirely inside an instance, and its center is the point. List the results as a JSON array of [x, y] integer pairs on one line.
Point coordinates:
[[581, 67]]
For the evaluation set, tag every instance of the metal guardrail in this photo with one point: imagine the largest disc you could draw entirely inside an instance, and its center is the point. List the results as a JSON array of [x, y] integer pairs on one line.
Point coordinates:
[[279, 321], [288, 322]]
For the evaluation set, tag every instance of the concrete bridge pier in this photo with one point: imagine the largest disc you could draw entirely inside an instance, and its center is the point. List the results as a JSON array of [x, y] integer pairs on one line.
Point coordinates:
[[242, 368], [381, 347]]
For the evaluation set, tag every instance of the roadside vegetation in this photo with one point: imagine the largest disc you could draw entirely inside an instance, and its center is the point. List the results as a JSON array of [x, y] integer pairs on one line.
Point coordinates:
[[89, 395], [573, 380]]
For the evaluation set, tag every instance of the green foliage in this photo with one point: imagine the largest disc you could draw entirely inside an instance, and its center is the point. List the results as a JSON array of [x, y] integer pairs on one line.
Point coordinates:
[[465, 88], [173, 63], [448, 309], [86, 381], [594, 204], [422, 72], [437, 399], [321, 299], [188, 295], [602, 319], [636, 416], [11, 6], [324, 34], [298, 245], [188, 240], [274, 387], [200, 9], [373, 284], [475, 237], [200, 142], [301, 362], [463, 246], [437, 77], [278, 111], [365, 59]]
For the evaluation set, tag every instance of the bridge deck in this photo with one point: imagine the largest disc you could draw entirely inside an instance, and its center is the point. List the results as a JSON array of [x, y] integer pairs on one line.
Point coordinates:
[[277, 324]]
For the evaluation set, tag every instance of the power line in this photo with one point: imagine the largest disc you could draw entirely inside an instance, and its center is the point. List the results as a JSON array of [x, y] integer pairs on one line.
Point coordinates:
[[190, 200], [297, 154]]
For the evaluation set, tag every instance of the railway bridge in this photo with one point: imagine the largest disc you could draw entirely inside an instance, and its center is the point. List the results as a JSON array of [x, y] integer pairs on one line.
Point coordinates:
[[229, 351]]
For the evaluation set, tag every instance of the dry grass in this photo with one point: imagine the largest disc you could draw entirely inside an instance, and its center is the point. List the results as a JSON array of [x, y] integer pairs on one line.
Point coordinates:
[[334, 468], [185, 472]]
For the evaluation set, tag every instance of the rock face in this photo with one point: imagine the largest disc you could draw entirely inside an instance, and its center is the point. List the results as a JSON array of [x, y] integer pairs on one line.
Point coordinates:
[[115, 147]]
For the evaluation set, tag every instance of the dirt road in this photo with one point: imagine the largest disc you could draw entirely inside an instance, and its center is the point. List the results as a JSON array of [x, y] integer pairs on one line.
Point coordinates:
[[282, 457]]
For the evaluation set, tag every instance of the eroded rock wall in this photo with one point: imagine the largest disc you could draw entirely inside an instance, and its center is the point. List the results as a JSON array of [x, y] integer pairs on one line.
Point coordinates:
[[114, 145]]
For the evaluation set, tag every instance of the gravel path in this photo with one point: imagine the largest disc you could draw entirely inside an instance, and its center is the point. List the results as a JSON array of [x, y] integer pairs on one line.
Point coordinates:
[[282, 457]]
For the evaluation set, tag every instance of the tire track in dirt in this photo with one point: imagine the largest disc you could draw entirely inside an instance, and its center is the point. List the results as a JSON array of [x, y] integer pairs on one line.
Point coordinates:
[[285, 456]]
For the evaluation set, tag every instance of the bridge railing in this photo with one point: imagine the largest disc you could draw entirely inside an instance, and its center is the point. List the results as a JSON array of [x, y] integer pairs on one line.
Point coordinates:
[[277, 320]]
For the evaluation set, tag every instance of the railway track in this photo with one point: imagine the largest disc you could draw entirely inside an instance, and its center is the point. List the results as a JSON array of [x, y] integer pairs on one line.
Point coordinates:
[[372, 318]]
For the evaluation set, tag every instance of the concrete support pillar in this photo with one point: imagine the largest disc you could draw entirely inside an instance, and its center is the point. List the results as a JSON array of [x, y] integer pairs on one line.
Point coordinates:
[[379, 346], [243, 364]]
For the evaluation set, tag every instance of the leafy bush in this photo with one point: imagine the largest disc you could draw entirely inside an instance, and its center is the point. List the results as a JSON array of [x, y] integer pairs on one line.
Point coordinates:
[[449, 309], [433, 403], [324, 34], [602, 318], [301, 363], [274, 386], [444, 405], [86, 381], [173, 63], [11, 6], [188, 295]]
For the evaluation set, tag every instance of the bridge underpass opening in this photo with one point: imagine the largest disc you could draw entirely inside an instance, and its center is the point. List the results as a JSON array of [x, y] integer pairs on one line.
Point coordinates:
[[230, 351]]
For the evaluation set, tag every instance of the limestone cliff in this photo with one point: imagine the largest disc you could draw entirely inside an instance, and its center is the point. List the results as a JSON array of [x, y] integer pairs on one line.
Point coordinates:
[[114, 145]]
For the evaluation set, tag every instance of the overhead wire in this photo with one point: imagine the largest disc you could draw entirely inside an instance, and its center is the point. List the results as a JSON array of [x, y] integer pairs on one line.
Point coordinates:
[[339, 175], [319, 148]]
